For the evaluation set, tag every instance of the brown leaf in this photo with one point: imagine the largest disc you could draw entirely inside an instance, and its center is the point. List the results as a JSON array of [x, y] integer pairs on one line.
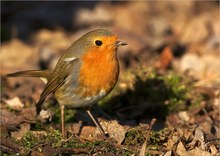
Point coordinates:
[[181, 150], [25, 127], [115, 130], [169, 144], [36, 153], [168, 153], [11, 121], [198, 151], [213, 150], [166, 57], [188, 134], [8, 118], [10, 147], [85, 132], [199, 136], [29, 114], [143, 149]]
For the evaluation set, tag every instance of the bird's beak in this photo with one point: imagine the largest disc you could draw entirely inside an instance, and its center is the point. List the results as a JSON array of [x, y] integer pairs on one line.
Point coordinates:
[[120, 43]]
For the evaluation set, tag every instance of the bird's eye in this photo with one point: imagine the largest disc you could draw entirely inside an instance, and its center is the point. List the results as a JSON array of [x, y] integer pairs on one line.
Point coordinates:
[[98, 42]]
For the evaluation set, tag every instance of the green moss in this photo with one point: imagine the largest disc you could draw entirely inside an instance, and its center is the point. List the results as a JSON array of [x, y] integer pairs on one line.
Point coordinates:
[[27, 140], [158, 137], [31, 141], [54, 139], [107, 148], [176, 93], [135, 136], [38, 126], [69, 114]]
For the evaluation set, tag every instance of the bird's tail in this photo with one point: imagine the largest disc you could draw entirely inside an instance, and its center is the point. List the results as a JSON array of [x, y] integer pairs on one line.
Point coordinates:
[[31, 73]]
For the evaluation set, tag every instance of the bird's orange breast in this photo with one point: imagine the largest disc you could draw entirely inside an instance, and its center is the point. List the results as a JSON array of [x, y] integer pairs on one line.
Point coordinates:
[[99, 71]]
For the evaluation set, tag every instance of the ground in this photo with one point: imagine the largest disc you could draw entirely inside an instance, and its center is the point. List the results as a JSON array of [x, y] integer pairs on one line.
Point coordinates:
[[166, 101]]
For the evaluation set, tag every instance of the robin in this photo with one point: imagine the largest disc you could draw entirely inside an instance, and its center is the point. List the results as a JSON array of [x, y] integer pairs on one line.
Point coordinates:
[[84, 74]]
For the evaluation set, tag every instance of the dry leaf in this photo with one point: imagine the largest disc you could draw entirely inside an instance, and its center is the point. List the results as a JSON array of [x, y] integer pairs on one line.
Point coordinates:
[[114, 129], [183, 115], [74, 128], [169, 153], [187, 134], [25, 127], [29, 114], [35, 153], [213, 149], [198, 152], [166, 57], [87, 132], [143, 148], [169, 144], [199, 136], [8, 118], [181, 150], [15, 103]]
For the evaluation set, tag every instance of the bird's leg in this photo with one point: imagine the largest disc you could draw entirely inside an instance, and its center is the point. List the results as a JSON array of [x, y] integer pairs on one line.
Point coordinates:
[[62, 121], [97, 123]]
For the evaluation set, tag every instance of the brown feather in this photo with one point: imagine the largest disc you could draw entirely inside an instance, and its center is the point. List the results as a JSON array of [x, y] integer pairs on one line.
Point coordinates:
[[31, 73]]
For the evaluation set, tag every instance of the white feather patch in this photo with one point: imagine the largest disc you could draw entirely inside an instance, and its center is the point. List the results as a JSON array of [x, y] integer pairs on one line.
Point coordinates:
[[69, 59], [43, 79], [88, 98], [102, 92]]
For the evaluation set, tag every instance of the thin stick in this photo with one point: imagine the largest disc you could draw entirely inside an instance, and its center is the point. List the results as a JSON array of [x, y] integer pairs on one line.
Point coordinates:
[[97, 123]]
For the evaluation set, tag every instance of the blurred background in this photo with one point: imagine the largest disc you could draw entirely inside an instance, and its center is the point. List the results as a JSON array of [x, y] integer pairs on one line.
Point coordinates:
[[148, 27], [171, 45]]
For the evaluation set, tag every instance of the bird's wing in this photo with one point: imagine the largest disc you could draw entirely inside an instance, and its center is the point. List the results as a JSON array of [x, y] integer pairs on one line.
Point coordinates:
[[56, 79]]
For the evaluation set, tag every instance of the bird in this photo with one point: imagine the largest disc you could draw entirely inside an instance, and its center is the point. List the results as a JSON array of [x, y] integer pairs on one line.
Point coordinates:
[[85, 73]]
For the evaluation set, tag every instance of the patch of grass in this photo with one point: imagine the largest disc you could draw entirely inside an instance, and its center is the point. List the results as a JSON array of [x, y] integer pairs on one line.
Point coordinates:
[[135, 136], [176, 92], [10, 109], [54, 139], [30, 141], [158, 137], [107, 148]]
